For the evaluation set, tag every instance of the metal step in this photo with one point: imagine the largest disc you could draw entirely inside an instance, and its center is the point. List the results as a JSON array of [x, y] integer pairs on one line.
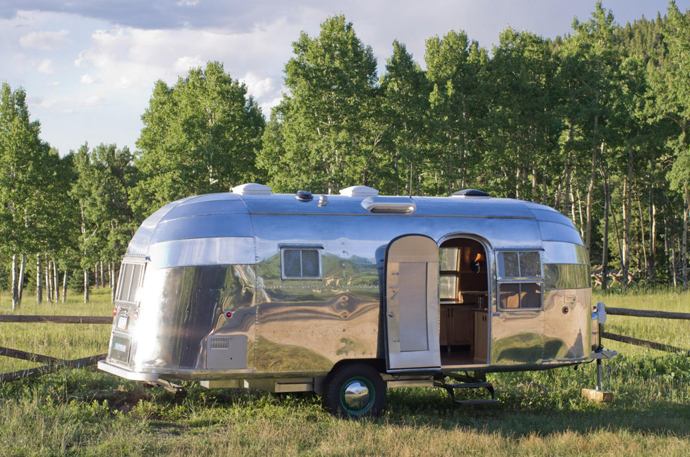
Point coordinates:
[[468, 384], [478, 402]]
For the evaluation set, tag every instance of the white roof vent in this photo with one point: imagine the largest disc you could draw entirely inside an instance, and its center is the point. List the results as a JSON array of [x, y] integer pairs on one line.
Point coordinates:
[[359, 191], [252, 188]]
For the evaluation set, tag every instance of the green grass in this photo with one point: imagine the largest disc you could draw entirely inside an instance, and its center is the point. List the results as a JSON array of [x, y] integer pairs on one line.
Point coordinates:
[[85, 412], [56, 340], [669, 331]]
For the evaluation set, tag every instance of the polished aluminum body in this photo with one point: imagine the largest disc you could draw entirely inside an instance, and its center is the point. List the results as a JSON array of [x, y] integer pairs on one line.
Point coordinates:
[[214, 300]]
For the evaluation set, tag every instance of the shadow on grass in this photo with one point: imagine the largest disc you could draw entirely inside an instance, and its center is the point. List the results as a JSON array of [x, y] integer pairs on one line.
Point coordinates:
[[515, 420], [513, 417]]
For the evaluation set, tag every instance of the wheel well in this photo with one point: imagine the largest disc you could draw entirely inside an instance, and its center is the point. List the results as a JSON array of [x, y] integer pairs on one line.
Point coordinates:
[[378, 364]]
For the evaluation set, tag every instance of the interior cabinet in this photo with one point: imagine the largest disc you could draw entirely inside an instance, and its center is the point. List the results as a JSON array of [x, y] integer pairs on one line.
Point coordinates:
[[456, 325], [481, 333]]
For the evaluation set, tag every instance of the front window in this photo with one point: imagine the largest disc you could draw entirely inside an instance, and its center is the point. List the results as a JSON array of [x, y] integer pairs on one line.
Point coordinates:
[[131, 275], [520, 281]]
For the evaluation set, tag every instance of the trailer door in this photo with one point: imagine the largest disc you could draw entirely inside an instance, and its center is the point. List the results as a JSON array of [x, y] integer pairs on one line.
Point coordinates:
[[411, 305]]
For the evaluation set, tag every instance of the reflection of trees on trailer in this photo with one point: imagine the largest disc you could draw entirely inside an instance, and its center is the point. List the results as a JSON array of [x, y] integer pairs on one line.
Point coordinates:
[[341, 294]]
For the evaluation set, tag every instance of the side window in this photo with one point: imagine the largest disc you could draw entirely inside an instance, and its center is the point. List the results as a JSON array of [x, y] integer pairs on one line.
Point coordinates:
[[520, 281], [301, 263]]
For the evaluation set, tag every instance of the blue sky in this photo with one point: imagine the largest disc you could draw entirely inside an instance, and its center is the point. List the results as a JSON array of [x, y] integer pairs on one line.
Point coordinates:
[[89, 66]]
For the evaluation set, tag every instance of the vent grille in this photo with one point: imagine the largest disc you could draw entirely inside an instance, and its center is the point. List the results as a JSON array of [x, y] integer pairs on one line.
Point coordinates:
[[219, 342]]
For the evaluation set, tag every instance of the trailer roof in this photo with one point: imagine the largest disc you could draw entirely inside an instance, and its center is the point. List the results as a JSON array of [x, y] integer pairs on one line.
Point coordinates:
[[208, 215]]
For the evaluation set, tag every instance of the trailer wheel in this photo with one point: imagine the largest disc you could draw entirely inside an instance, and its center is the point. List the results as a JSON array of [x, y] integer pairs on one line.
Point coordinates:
[[354, 391]]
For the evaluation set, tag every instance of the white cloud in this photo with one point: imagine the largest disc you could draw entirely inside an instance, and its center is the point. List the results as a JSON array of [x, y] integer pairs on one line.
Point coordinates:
[[257, 86], [185, 63], [86, 79], [187, 2], [43, 40], [45, 66], [128, 58]]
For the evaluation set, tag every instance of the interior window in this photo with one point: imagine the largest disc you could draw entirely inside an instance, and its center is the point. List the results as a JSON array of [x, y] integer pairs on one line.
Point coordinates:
[[301, 263], [520, 283]]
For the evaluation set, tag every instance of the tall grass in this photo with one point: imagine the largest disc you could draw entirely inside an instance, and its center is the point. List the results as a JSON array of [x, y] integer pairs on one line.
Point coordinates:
[[85, 412]]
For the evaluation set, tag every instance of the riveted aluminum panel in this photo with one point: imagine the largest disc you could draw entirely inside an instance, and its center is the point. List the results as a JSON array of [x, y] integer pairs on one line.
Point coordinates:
[[203, 226], [567, 324], [563, 252], [203, 251], [553, 231]]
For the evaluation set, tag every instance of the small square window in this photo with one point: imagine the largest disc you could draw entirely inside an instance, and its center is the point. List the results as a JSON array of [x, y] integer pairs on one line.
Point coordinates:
[[519, 296], [301, 263], [530, 296], [449, 259], [310, 263], [449, 287], [509, 296], [519, 264], [530, 264], [508, 265]]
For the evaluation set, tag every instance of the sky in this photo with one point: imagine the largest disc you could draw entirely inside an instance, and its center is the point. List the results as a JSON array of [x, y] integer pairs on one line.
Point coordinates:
[[89, 66]]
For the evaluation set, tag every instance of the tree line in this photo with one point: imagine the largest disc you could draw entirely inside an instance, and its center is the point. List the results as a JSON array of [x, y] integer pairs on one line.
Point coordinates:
[[593, 123]]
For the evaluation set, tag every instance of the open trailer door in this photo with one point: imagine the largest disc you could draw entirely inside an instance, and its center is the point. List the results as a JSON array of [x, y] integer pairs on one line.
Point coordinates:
[[412, 305]]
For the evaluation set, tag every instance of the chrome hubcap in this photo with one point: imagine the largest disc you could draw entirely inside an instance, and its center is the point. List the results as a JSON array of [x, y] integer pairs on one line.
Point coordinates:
[[356, 395]]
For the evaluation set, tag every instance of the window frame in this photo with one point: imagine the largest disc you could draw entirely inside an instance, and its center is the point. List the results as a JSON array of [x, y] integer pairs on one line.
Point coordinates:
[[500, 279], [300, 248]]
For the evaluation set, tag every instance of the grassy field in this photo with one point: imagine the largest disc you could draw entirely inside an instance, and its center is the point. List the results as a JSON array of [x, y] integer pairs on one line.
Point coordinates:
[[84, 412]]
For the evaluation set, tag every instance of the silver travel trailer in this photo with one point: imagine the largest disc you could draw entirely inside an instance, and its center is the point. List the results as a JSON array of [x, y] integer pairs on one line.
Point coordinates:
[[346, 294]]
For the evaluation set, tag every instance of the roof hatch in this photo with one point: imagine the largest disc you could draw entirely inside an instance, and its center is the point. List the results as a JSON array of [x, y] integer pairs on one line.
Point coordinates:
[[252, 188], [470, 193], [359, 191]]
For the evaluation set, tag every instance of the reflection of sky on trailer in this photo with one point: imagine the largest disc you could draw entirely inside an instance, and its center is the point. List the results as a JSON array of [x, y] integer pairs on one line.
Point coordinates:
[[291, 286]]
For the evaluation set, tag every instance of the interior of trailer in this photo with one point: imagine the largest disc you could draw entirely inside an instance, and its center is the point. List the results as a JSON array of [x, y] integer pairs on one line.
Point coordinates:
[[464, 293]]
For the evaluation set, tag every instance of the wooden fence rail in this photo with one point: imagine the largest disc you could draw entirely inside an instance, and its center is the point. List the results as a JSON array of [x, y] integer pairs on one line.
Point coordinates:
[[53, 363], [646, 313], [56, 319], [50, 363]]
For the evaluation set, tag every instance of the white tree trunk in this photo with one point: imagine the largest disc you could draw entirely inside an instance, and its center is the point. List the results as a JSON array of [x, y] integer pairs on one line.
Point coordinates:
[[49, 290], [22, 271], [64, 286], [56, 283], [39, 284], [86, 285], [15, 288], [112, 282]]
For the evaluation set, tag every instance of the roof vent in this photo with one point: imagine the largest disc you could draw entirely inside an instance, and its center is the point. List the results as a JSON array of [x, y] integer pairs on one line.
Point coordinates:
[[304, 196], [389, 205], [359, 191], [252, 188], [470, 193]]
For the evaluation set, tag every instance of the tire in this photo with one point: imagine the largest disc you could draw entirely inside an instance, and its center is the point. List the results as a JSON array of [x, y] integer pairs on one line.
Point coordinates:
[[355, 391]]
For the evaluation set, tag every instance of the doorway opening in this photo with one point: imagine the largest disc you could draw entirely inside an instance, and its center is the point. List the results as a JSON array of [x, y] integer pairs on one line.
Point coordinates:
[[464, 300]]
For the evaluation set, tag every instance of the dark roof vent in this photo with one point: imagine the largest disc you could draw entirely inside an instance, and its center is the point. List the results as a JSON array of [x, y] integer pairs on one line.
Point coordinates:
[[470, 193], [304, 196]]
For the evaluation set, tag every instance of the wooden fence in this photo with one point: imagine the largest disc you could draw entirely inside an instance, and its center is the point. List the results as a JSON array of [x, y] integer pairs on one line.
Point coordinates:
[[647, 313], [52, 363], [49, 363]]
